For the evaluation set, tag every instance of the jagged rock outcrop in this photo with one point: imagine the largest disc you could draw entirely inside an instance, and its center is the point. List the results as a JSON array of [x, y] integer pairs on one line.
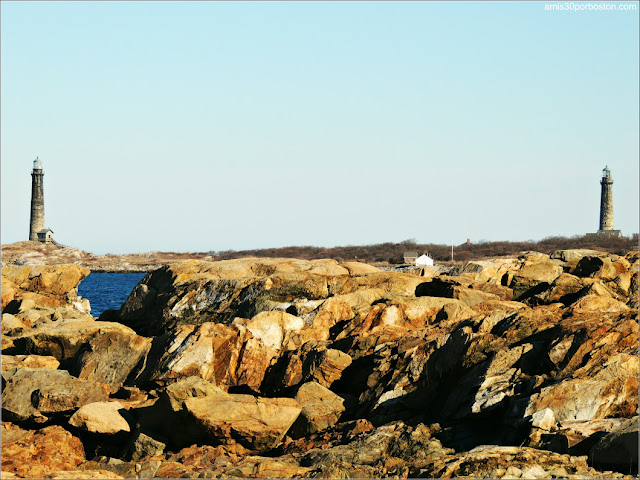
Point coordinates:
[[523, 367], [490, 461], [255, 423], [110, 356], [534, 275], [34, 297], [166, 420], [145, 446], [225, 355], [321, 408], [100, 417], [46, 286], [619, 448], [29, 361], [65, 339], [198, 292], [606, 391], [38, 454], [313, 361], [34, 395]]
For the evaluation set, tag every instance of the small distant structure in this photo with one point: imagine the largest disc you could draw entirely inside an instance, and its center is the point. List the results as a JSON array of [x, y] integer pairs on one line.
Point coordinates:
[[45, 235], [424, 261], [410, 257], [606, 205]]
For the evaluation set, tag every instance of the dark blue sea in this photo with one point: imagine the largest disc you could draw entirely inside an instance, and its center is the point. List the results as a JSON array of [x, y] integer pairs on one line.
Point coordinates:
[[108, 291]]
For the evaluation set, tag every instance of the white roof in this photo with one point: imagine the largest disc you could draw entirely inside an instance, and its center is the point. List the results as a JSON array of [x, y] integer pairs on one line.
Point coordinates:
[[424, 260]]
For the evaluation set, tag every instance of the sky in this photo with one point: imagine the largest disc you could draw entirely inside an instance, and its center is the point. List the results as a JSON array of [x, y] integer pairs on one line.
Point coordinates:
[[211, 126]]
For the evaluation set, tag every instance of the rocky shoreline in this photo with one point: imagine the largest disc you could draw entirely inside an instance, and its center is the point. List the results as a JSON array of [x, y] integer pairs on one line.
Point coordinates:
[[506, 368], [33, 254]]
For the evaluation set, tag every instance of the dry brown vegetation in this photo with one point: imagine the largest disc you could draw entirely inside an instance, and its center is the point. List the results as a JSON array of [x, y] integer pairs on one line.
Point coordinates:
[[393, 252], [381, 254]]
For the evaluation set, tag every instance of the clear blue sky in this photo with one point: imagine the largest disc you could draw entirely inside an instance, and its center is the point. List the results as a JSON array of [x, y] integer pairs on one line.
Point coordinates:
[[196, 126]]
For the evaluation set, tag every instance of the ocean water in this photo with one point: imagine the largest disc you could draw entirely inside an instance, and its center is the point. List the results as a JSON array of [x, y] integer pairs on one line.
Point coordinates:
[[108, 291]]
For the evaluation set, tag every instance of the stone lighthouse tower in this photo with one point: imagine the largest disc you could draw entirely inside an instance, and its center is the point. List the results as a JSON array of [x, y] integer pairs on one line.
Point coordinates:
[[37, 200], [606, 203]]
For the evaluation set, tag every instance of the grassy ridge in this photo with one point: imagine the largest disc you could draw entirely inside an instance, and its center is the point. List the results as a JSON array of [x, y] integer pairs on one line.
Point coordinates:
[[393, 253]]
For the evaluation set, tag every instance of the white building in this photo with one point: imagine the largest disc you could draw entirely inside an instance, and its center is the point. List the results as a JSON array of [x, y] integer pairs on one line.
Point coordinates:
[[424, 260]]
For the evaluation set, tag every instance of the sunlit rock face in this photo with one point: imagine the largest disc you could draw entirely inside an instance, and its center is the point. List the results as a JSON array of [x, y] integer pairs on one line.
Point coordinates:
[[44, 285], [524, 367]]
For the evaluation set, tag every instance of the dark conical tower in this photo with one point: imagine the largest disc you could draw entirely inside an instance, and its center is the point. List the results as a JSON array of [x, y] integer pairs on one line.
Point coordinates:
[[37, 200], [606, 204], [606, 200]]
